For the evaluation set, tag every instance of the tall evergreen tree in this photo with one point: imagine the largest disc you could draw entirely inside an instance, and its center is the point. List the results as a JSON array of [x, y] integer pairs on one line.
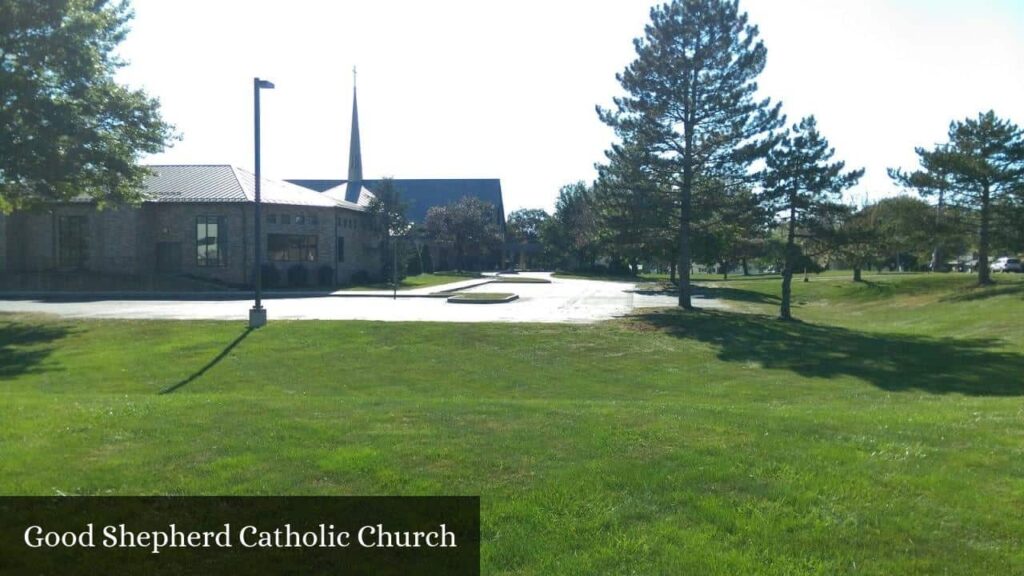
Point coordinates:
[[691, 97], [66, 127], [634, 210], [982, 167], [802, 186], [732, 227]]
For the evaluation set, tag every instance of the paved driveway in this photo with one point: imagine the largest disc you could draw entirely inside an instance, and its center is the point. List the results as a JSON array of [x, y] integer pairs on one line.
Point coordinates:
[[562, 301]]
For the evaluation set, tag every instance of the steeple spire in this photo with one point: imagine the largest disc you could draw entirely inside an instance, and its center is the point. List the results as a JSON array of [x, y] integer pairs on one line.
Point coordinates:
[[355, 154]]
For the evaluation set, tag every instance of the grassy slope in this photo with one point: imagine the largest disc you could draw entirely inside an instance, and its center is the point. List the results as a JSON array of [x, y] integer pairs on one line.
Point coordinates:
[[883, 436]]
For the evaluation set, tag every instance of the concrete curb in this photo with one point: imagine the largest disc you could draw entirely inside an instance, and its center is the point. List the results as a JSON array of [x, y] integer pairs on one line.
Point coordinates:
[[459, 299]]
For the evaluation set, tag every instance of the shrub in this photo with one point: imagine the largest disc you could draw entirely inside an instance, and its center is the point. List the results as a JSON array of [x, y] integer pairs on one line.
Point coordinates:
[[270, 276], [325, 275], [360, 277], [412, 266], [297, 275]]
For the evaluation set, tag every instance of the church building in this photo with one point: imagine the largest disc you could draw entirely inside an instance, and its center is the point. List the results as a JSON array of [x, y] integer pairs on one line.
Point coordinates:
[[196, 222]]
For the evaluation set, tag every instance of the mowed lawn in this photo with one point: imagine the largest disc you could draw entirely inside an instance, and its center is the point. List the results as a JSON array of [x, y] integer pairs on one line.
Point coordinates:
[[883, 435], [418, 281]]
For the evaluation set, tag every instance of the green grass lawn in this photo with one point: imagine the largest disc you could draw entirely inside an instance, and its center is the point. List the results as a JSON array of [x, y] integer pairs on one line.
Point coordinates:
[[642, 277], [418, 281], [883, 435]]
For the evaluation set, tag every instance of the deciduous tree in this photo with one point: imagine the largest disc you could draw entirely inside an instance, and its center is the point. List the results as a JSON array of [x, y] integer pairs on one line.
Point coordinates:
[[469, 226], [67, 129], [524, 228], [571, 233]]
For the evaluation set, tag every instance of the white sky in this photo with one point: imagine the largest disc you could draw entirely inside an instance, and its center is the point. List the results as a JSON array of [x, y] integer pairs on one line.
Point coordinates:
[[479, 88]]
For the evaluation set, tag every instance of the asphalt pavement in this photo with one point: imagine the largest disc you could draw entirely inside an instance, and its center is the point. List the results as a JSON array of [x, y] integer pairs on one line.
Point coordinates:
[[564, 300]]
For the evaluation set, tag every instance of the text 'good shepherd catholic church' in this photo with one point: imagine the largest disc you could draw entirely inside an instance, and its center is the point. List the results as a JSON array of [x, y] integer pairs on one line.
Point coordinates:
[[197, 221]]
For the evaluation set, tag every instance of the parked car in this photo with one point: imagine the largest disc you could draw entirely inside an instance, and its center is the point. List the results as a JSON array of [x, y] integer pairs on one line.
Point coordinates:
[[1005, 264], [964, 265]]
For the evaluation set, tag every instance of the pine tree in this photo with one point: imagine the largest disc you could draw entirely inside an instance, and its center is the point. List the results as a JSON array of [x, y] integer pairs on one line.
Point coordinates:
[[634, 211], [690, 97], [801, 185], [981, 167], [732, 226]]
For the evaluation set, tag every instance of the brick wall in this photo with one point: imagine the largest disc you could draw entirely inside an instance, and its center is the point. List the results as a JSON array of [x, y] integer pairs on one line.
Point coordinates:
[[138, 240]]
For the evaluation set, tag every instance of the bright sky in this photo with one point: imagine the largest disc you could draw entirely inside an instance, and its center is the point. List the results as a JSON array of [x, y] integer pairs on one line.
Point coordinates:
[[475, 89]]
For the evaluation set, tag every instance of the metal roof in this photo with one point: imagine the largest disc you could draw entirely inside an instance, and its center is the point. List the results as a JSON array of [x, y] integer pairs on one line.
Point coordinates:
[[225, 183], [193, 183], [338, 194]]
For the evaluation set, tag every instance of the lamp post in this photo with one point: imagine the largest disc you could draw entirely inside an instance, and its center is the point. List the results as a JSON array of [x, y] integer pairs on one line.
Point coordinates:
[[258, 314]]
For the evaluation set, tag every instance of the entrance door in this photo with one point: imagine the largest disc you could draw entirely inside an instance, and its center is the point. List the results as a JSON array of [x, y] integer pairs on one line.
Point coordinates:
[[168, 257]]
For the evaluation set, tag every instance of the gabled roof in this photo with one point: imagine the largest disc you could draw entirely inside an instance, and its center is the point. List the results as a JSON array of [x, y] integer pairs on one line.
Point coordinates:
[[193, 183], [341, 192], [422, 194], [225, 183], [316, 185]]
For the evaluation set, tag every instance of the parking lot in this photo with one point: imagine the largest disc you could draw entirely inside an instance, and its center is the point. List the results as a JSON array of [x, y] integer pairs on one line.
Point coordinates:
[[561, 301]]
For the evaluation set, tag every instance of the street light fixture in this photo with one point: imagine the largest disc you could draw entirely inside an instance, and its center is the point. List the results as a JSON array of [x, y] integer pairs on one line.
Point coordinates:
[[258, 314]]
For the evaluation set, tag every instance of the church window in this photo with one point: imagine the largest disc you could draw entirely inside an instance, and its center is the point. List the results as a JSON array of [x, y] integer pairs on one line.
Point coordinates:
[[292, 247], [211, 241]]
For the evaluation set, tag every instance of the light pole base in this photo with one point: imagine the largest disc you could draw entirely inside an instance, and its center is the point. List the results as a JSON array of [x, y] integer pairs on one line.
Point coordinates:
[[257, 317]]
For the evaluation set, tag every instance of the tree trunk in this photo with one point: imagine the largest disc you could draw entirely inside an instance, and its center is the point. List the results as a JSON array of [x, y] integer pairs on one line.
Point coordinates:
[[684, 218], [936, 263], [787, 271], [787, 292], [984, 274], [684, 248], [856, 274], [725, 271], [937, 257], [746, 271], [672, 273]]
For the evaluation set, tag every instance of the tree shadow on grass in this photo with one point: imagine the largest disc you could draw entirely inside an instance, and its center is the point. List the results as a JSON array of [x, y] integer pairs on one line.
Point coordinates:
[[985, 292], [892, 362], [216, 360], [736, 294], [716, 292], [25, 347]]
